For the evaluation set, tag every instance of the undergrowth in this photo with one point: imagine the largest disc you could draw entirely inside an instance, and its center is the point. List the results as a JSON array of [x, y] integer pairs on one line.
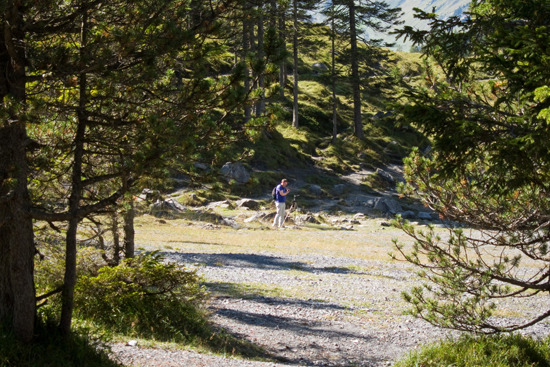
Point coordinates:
[[487, 351], [51, 349]]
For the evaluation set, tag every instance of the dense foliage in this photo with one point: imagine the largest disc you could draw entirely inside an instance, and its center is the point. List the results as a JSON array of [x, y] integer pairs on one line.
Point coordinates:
[[488, 115]]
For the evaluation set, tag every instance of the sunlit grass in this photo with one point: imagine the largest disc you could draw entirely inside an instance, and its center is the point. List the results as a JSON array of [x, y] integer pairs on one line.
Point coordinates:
[[371, 242]]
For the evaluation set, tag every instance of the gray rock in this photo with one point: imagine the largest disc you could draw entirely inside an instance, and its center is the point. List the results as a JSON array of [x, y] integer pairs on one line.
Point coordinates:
[[386, 205], [254, 218], [220, 204], [307, 219], [339, 189], [319, 66], [150, 195], [315, 189], [235, 171], [408, 214], [385, 176], [424, 216], [435, 216], [248, 203], [168, 204], [359, 216], [200, 165], [230, 222]]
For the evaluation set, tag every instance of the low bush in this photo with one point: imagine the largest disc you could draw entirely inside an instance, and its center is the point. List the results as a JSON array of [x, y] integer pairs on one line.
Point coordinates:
[[487, 351], [143, 297]]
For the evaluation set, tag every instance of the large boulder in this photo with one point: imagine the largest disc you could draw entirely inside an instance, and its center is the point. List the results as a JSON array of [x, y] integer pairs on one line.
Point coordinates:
[[387, 205], [247, 203], [319, 66], [235, 171], [307, 218], [339, 189], [424, 216], [168, 204], [409, 214], [385, 176], [315, 189]]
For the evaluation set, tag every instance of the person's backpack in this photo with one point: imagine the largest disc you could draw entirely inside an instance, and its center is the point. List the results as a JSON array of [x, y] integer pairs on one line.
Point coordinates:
[[274, 193]]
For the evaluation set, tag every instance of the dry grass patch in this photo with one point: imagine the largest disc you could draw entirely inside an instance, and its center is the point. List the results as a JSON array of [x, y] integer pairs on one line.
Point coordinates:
[[371, 242]]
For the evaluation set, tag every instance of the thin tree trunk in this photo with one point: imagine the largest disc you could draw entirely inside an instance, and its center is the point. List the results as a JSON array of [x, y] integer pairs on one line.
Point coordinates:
[[246, 44], [295, 122], [17, 291], [253, 50], [357, 122], [261, 81], [116, 238], [69, 280], [334, 117], [129, 232], [282, 35]]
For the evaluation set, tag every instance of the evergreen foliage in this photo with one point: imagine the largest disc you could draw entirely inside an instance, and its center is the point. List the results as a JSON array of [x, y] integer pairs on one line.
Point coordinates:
[[488, 116]]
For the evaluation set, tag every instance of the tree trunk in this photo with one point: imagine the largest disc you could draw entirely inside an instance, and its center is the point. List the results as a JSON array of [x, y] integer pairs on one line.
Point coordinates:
[[282, 34], [116, 238], [295, 122], [246, 45], [69, 281], [357, 122], [17, 292], [129, 233], [334, 117], [253, 50], [261, 81]]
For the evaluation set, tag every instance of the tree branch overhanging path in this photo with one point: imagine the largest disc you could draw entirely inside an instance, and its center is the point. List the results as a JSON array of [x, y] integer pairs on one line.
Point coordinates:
[[489, 169]]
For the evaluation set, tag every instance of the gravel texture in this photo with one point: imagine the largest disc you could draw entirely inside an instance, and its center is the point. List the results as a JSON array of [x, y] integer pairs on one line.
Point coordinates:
[[308, 310]]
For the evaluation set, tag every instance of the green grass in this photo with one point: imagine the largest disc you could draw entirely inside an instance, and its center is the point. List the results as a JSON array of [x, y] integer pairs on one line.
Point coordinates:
[[486, 351]]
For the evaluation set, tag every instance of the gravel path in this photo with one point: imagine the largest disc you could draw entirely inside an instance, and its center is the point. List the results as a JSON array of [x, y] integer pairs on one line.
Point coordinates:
[[309, 310], [304, 310]]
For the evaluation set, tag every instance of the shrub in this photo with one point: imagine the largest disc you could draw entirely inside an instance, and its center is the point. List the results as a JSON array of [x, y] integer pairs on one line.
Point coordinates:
[[487, 351], [143, 297]]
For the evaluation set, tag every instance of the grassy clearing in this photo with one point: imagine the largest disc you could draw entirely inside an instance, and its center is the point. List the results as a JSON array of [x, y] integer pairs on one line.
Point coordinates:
[[371, 242], [487, 351]]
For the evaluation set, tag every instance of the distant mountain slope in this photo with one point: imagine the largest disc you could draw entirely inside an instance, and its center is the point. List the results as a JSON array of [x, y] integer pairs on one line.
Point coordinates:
[[444, 8]]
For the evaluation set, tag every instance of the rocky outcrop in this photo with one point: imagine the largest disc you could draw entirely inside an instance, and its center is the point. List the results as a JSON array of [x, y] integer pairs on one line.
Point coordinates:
[[248, 203], [386, 205], [235, 171]]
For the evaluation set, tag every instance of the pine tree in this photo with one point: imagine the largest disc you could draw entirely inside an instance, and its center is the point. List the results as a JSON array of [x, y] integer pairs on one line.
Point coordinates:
[[358, 15], [100, 95], [488, 113]]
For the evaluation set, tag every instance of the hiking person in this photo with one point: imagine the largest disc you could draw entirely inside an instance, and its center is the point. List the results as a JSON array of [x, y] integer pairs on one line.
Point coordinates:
[[280, 197]]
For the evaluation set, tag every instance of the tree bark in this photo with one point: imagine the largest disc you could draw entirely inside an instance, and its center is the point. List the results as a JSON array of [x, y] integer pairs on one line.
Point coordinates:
[[246, 45], [69, 280], [282, 34], [261, 82], [295, 122], [357, 121], [334, 116], [129, 232], [17, 291], [116, 238]]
